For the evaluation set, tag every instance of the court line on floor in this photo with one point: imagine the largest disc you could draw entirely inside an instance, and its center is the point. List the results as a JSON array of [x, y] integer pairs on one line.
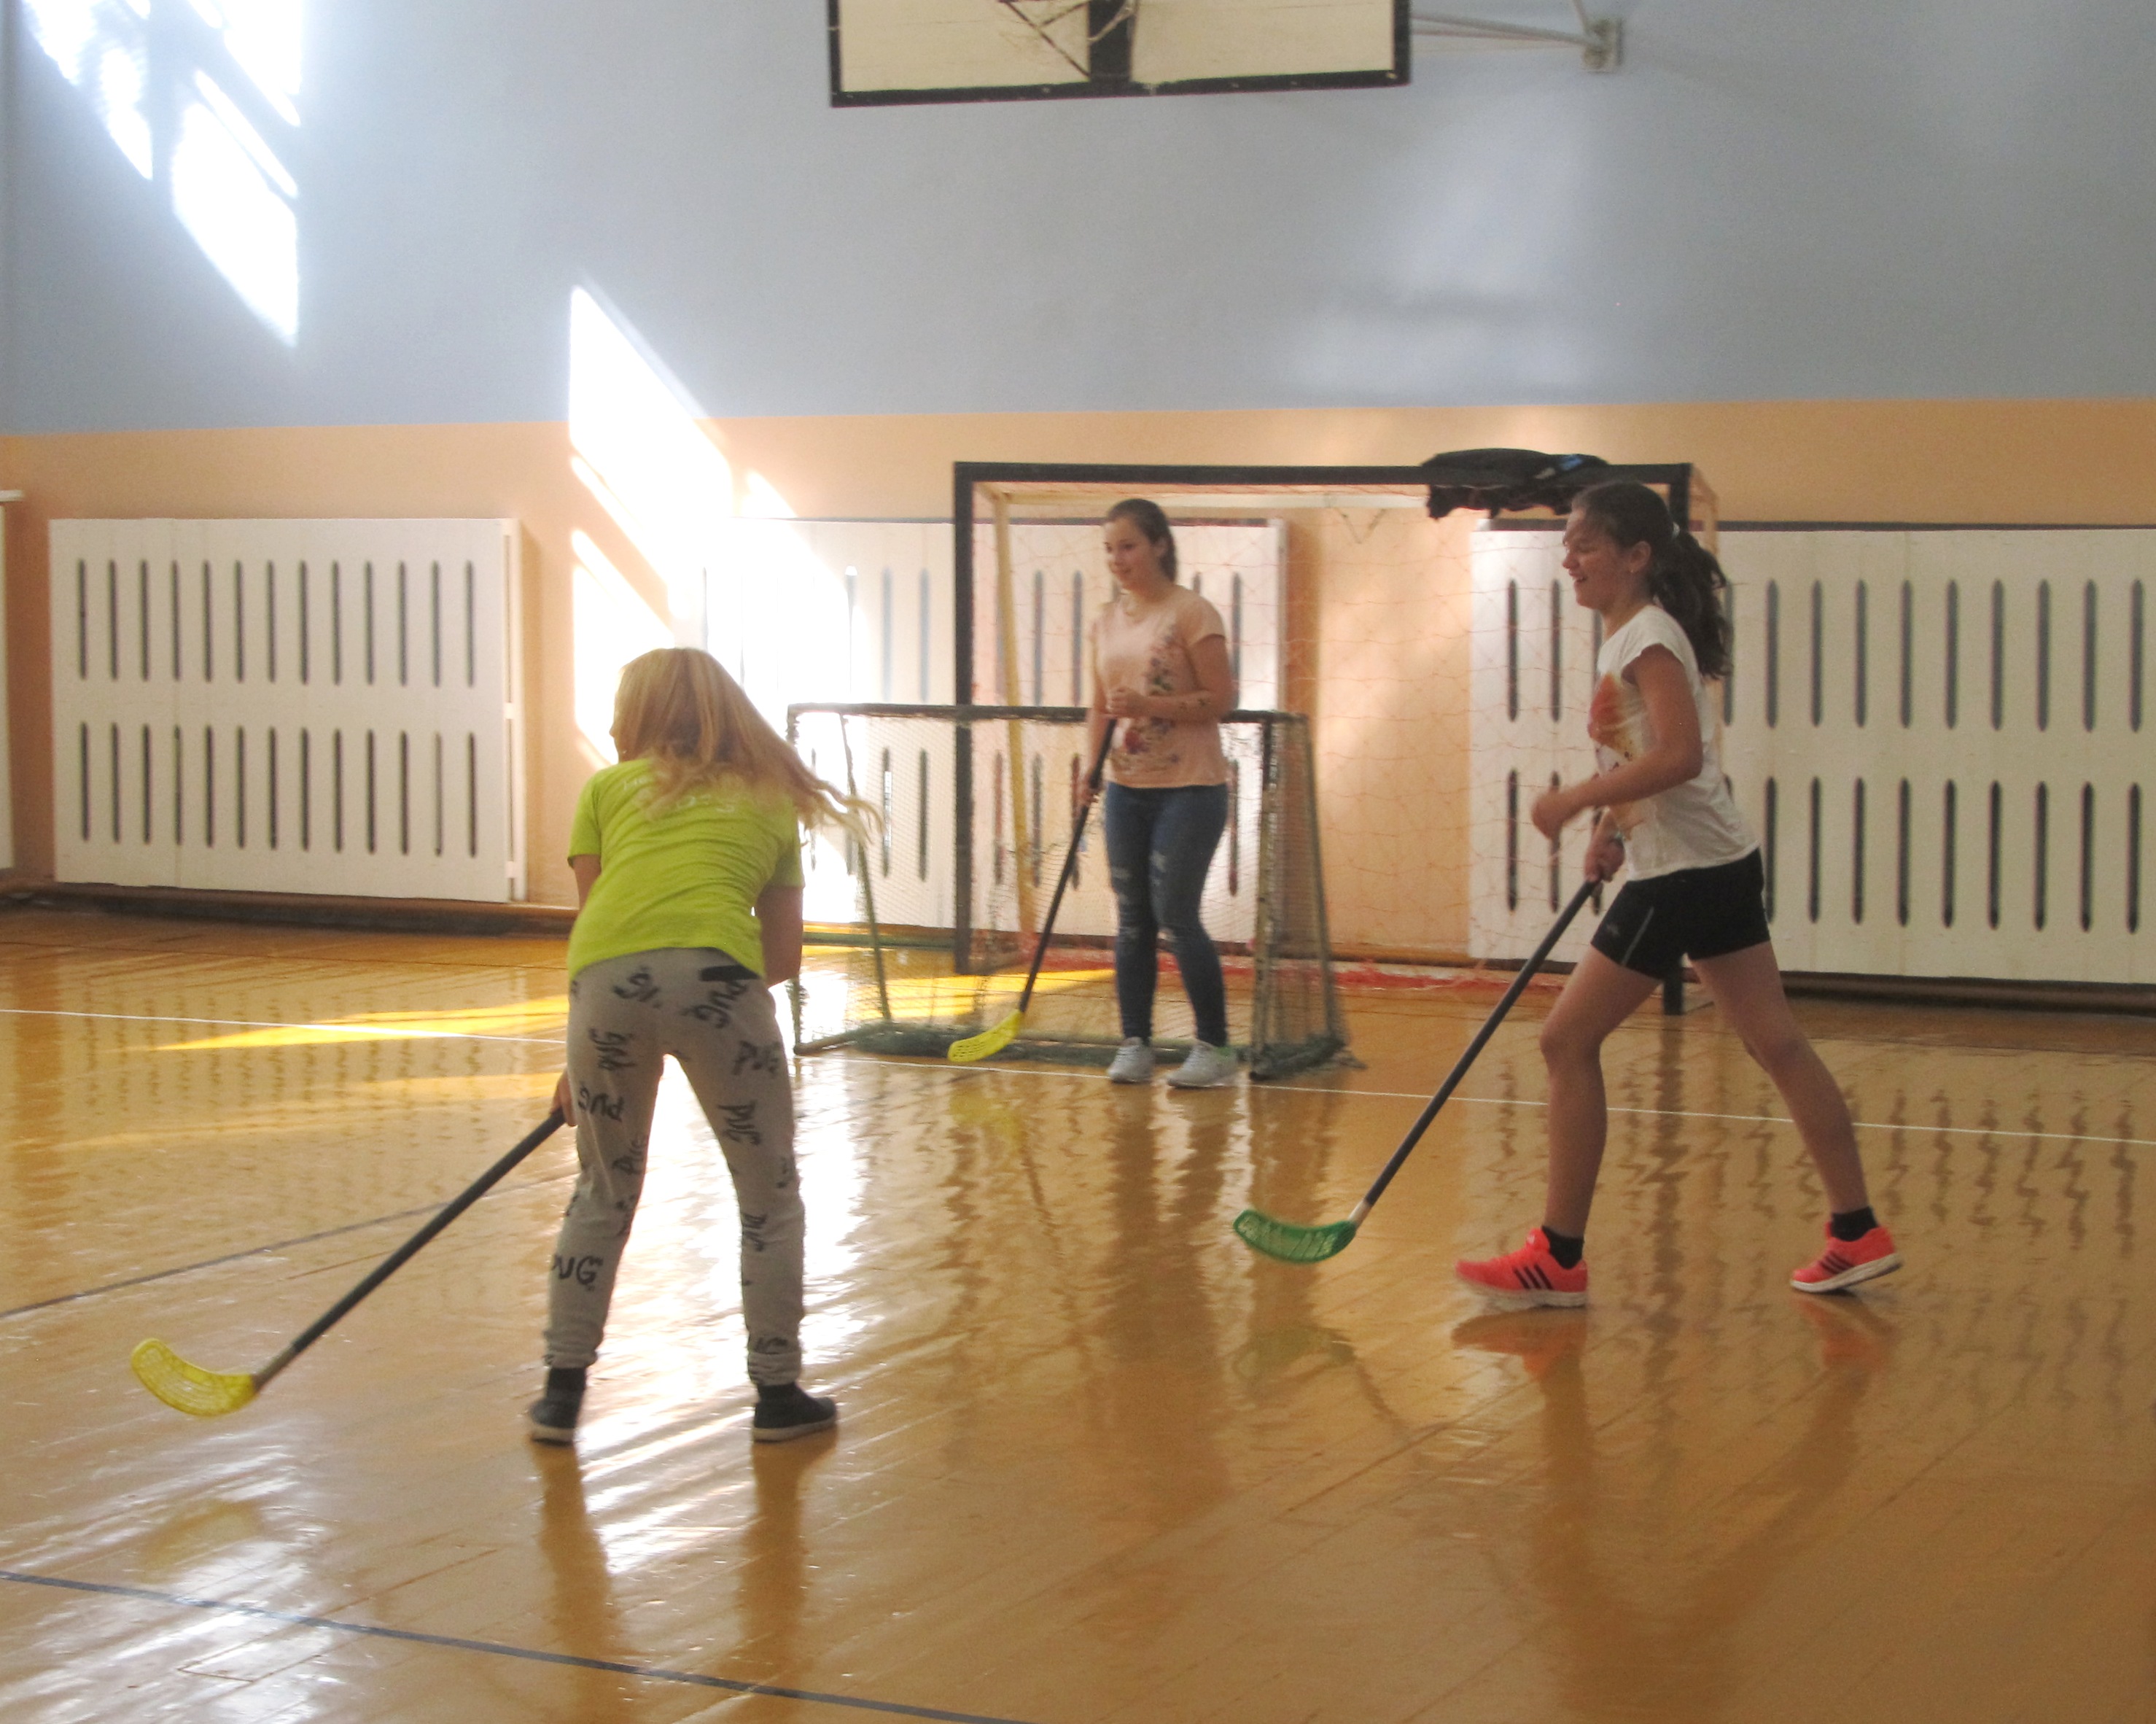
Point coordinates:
[[211, 1262], [496, 1649], [1503, 1101], [385, 1031]]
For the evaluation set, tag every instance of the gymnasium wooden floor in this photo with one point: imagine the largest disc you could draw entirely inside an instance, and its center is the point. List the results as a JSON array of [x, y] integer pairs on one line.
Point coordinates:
[[1097, 1461]]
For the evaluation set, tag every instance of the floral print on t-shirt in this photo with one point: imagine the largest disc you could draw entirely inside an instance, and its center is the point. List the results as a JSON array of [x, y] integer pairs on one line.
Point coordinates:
[[1149, 654], [1615, 725]]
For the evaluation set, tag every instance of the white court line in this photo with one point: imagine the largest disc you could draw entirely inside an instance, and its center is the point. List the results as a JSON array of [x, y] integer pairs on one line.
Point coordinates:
[[952, 1071], [1500, 1101], [388, 1033]]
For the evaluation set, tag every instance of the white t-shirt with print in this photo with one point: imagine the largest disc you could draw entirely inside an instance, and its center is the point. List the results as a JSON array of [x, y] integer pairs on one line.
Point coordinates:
[[1693, 824]]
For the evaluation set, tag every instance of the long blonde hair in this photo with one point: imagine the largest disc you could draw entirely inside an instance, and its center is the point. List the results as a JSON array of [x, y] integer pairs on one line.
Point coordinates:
[[678, 708]]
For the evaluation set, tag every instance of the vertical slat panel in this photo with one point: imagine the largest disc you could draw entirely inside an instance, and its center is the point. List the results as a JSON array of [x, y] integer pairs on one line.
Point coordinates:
[[105, 590], [2025, 717], [1526, 637], [1921, 716], [257, 691]]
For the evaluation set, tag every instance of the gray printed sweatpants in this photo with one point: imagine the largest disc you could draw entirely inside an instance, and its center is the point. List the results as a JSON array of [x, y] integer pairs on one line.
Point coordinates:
[[716, 1019]]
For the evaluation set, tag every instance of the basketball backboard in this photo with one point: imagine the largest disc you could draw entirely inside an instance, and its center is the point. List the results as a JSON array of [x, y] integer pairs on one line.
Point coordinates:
[[887, 51]]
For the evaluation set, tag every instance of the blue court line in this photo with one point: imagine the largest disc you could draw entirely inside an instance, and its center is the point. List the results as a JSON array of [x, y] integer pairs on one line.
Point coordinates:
[[650, 1673], [233, 1257]]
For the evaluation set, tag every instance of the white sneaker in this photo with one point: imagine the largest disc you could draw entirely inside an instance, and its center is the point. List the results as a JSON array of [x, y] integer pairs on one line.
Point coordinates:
[[1208, 1068], [1133, 1063]]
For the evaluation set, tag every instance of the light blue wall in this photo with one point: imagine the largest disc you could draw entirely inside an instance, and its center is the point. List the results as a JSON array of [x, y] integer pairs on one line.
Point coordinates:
[[1774, 198]]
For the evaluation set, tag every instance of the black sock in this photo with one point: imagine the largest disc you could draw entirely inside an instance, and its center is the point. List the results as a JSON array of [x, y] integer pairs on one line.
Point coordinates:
[[1852, 1223], [565, 1380], [1568, 1248]]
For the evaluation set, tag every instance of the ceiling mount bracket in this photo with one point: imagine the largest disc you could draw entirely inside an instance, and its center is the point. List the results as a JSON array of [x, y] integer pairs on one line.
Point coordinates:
[[1601, 41]]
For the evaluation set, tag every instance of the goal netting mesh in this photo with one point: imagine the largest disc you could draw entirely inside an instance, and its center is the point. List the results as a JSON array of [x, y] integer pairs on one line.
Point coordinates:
[[947, 899]]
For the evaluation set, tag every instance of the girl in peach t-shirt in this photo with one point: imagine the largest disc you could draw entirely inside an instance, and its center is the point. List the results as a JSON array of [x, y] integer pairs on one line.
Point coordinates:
[[1162, 676]]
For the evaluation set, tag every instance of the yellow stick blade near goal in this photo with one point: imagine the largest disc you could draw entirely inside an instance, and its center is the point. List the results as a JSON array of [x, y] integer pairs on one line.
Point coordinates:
[[998, 1036], [989, 1043]]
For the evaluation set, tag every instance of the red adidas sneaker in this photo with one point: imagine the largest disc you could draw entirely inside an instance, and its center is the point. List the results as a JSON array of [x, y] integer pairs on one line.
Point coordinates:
[[1530, 1276], [1846, 1262]]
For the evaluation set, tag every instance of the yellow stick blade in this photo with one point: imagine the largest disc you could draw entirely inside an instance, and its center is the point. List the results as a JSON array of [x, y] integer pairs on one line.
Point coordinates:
[[189, 1387], [988, 1042]]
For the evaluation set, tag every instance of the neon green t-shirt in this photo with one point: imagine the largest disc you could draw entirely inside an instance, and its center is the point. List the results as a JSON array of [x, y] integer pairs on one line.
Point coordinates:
[[689, 876]]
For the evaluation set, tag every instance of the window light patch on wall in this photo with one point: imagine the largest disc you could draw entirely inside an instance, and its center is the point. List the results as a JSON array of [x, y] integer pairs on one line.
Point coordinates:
[[234, 197], [613, 624], [200, 96], [638, 446], [737, 582]]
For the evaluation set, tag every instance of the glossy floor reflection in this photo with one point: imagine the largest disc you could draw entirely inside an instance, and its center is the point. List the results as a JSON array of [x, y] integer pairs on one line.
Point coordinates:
[[1097, 1461]]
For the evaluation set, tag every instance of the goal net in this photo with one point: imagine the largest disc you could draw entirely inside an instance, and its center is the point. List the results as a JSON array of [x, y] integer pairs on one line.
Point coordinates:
[[977, 818]]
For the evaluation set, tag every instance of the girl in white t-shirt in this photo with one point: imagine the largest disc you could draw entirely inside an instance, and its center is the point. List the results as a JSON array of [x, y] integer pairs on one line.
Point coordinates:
[[1696, 891]]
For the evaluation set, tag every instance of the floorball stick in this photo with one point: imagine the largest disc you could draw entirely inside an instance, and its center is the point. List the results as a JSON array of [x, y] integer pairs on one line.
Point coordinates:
[[207, 1394], [1292, 1242]]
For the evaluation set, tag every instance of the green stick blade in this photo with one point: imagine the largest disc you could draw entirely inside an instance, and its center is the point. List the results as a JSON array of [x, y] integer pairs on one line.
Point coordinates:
[[991, 1041], [1291, 1243]]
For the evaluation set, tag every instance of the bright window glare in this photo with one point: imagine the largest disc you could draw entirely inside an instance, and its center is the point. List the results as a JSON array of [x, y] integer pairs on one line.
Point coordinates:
[[750, 590], [227, 184], [100, 47], [236, 217], [264, 37], [245, 136], [669, 485], [64, 29], [778, 617], [120, 100], [760, 497], [612, 625]]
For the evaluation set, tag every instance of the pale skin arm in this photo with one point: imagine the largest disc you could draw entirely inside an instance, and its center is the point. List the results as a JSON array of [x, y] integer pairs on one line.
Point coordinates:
[[1096, 727], [1214, 699], [1675, 758], [779, 919]]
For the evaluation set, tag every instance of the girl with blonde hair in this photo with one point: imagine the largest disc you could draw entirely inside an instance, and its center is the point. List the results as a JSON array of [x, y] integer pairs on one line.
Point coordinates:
[[687, 855]]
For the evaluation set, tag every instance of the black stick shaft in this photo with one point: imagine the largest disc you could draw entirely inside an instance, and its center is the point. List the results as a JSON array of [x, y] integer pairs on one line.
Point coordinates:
[[1481, 1040], [1070, 864], [410, 1249]]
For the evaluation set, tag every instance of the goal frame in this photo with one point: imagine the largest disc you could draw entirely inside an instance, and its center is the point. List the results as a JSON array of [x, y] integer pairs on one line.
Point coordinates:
[[1678, 479], [1284, 759]]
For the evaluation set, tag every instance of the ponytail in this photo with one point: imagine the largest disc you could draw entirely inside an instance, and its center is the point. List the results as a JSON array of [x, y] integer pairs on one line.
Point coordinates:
[[1684, 577]]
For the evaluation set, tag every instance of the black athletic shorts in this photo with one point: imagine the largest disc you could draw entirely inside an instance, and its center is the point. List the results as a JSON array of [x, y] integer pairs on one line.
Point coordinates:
[[1652, 925]]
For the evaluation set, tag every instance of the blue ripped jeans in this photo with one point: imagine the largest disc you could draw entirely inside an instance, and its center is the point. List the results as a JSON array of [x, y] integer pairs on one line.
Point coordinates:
[[1160, 849]]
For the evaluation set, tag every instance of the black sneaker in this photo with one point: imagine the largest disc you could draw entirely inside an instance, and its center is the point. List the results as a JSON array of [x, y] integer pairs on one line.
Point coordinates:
[[553, 1415], [785, 1411]]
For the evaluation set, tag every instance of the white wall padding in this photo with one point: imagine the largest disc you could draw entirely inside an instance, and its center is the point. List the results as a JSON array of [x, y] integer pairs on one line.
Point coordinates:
[[1531, 674], [1944, 741], [1943, 738], [290, 705]]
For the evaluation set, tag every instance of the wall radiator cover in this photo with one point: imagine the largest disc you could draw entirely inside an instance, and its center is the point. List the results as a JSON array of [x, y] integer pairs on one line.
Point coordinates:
[[1942, 738], [329, 707]]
